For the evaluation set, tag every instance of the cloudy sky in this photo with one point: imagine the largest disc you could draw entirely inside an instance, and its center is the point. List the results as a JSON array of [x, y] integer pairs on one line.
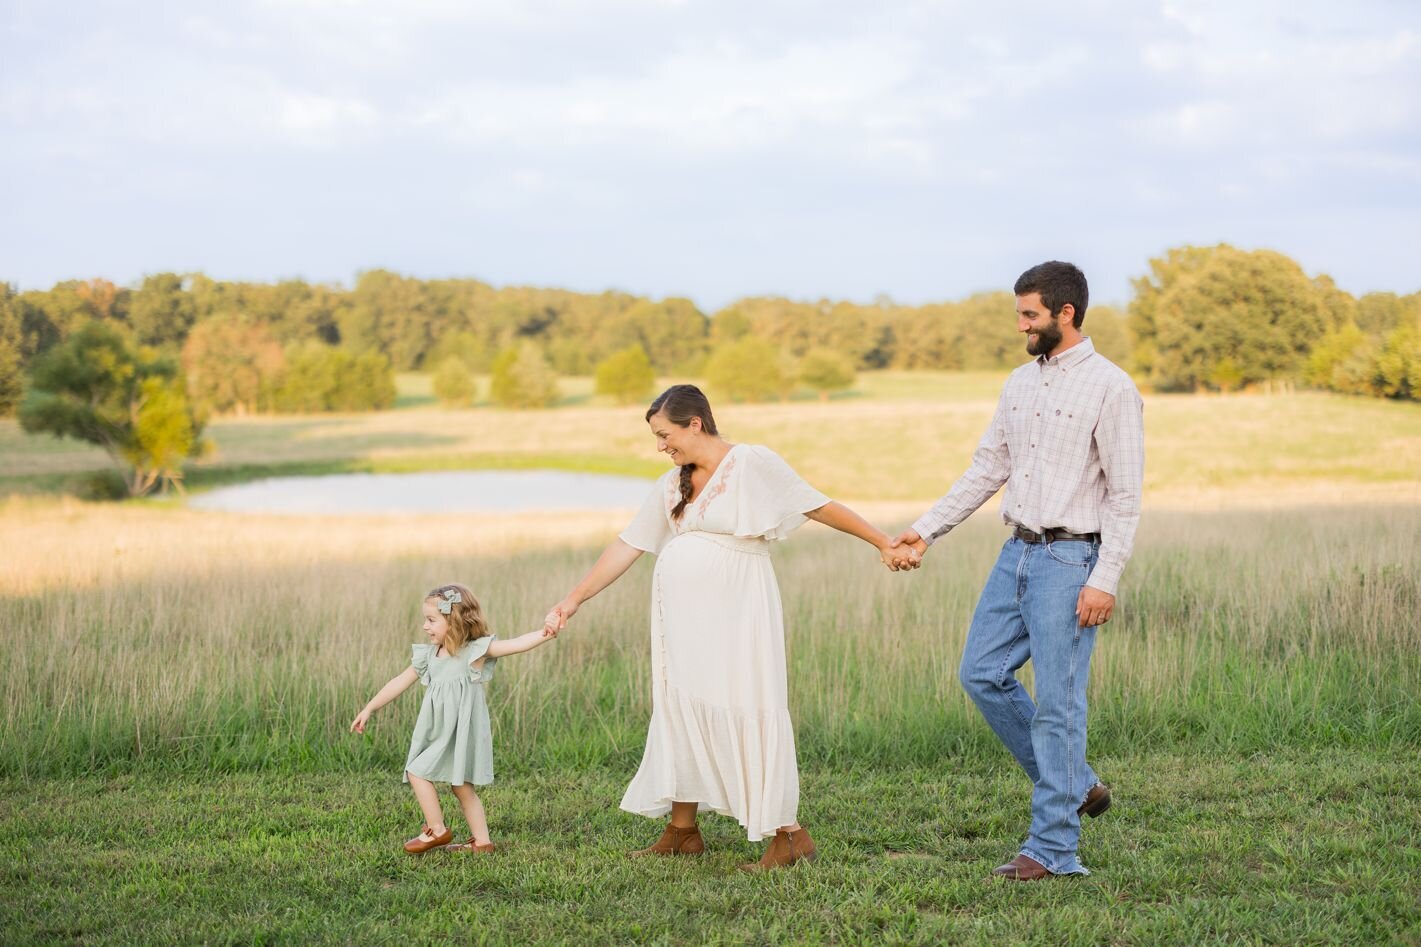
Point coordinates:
[[923, 150]]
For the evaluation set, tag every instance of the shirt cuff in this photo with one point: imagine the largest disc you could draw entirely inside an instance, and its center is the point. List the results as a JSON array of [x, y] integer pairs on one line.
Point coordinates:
[[927, 525], [1105, 577]]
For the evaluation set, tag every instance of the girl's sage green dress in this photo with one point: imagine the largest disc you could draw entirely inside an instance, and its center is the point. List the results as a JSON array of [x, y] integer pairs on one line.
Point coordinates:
[[451, 742]]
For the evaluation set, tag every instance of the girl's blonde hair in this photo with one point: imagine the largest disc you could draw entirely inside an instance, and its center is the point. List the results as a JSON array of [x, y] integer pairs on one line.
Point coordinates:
[[465, 615]]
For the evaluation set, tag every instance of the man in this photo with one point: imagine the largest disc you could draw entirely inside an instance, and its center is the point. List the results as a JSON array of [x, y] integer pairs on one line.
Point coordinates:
[[1068, 441]]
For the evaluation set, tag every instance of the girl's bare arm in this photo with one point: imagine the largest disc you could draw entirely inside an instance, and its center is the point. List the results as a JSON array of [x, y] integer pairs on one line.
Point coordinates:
[[528, 642], [396, 686]]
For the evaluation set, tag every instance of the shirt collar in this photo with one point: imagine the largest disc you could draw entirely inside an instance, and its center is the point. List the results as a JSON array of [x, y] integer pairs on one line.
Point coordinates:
[[1073, 356]]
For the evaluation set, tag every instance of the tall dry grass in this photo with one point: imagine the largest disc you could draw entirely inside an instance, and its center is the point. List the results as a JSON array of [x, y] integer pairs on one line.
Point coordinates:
[[147, 637]]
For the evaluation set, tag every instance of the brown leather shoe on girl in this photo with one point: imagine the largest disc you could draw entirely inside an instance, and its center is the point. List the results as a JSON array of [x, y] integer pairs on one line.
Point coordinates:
[[470, 847], [426, 840], [675, 841], [785, 849]]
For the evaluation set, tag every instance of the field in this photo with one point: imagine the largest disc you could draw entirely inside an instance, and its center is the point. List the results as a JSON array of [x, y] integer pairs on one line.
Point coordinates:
[[175, 764]]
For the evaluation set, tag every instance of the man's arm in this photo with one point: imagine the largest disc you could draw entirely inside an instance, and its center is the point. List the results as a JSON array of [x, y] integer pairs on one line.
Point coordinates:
[[1120, 441], [991, 466]]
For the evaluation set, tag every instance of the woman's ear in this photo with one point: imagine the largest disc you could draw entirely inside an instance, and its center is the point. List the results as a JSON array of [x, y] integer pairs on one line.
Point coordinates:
[[694, 425]]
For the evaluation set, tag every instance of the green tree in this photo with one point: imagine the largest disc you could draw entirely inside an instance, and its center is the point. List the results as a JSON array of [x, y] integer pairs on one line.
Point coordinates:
[[826, 370], [98, 387], [748, 369], [161, 311], [323, 378], [626, 375], [1344, 361], [1202, 305], [522, 378], [1399, 364], [232, 364], [1107, 329], [454, 384]]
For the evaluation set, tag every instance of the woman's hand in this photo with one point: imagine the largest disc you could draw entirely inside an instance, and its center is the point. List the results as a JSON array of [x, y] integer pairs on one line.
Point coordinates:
[[358, 724], [556, 619], [898, 558], [906, 550]]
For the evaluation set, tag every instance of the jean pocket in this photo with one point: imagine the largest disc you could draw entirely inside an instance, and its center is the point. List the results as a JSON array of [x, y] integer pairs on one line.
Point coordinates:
[[1071, 553]]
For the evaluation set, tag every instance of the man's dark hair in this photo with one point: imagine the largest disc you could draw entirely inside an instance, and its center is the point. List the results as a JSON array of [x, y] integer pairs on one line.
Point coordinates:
[[1058, 283]]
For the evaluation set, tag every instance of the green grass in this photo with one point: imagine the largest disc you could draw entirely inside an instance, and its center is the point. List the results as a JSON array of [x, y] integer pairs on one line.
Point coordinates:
[[176, 688], [177, 641], [1298, 847]]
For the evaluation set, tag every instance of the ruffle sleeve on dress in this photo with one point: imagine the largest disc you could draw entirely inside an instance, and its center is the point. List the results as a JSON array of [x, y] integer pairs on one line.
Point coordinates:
[[420, 660], [770, 498], [651, 528], [473, 651]]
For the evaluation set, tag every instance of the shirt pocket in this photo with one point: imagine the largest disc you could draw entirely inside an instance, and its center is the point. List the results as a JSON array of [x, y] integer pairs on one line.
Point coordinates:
[[1072, 428]]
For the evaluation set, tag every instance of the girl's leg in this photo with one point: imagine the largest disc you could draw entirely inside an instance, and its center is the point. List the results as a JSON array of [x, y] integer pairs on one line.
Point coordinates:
[[428, 797], [473, 812]]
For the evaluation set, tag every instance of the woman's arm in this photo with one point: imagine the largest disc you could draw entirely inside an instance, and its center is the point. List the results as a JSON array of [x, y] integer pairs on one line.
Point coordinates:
[[845, 520], [528, 642], [615, 560], [396, 686]]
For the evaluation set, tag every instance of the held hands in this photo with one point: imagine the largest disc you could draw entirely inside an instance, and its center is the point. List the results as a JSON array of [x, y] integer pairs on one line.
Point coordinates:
[[904, 552], [1094, 607], [556, 619]]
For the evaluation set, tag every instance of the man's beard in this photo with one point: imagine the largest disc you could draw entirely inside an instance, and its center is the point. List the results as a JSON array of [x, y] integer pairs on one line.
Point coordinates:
[[1045, 340]]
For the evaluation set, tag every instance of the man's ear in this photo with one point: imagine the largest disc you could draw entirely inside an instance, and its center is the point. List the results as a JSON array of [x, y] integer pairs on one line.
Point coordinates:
[[1067, 314]]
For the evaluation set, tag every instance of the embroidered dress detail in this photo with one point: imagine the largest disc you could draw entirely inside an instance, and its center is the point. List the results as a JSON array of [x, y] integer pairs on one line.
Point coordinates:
[[713, 490]]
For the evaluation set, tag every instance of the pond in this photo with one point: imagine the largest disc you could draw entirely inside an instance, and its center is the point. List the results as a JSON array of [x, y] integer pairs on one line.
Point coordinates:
[[483, 491]]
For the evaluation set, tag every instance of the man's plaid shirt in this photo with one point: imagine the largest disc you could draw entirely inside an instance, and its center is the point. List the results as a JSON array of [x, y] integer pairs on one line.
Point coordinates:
[[1068, 440]]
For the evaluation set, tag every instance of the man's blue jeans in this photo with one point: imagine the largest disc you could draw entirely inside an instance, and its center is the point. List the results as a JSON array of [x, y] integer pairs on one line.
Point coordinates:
[[1028, 611]]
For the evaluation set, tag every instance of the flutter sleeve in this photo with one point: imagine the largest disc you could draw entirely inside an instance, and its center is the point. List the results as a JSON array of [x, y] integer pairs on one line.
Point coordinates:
[[472, 652], [651, 528], [420, 661], [770, 498]]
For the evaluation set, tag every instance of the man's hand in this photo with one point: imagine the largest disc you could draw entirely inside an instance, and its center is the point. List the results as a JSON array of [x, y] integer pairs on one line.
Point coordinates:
[[910, 547], [1094, 607]]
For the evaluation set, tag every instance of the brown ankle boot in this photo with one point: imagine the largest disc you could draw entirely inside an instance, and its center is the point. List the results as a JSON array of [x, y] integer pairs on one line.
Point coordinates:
[[785, 849], [675, 841]]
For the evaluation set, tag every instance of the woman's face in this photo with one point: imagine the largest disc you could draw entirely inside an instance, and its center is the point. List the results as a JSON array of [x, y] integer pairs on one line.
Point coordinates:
[[676, 442]]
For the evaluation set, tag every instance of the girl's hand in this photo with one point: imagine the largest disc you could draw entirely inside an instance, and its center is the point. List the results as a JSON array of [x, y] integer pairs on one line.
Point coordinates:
[[556, 619], [358, 724]]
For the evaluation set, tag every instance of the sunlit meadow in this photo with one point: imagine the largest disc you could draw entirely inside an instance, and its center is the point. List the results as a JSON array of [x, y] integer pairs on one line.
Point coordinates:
[[172, 676]]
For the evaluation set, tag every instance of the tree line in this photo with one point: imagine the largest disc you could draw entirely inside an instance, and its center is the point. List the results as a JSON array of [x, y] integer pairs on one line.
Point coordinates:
[[139, 369]]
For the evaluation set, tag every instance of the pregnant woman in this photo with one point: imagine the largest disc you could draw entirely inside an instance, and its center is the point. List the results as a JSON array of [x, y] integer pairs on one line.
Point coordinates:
[[720, 735]]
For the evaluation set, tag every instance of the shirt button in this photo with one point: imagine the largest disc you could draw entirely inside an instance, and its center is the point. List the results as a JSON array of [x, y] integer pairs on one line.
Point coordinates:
[[1058, 412]]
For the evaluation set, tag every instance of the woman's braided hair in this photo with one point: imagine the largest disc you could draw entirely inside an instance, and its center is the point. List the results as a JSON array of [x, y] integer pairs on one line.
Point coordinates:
[[681, 403]]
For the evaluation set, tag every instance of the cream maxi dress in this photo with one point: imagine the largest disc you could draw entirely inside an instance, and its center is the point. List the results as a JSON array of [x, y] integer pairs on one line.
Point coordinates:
[[720, 729]]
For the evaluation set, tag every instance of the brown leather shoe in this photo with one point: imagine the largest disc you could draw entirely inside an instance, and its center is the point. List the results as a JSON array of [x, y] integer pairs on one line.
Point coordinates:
[[784, 850], [1022, 868], [426, 840], [471, 847], [1096, 801], [675, 841]]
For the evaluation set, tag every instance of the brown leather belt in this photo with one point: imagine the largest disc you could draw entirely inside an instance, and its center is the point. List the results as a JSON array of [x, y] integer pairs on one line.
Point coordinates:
[[1054, 536]]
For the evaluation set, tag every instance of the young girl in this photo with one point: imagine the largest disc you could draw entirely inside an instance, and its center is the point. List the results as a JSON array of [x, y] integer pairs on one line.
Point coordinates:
[[451, 742]]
